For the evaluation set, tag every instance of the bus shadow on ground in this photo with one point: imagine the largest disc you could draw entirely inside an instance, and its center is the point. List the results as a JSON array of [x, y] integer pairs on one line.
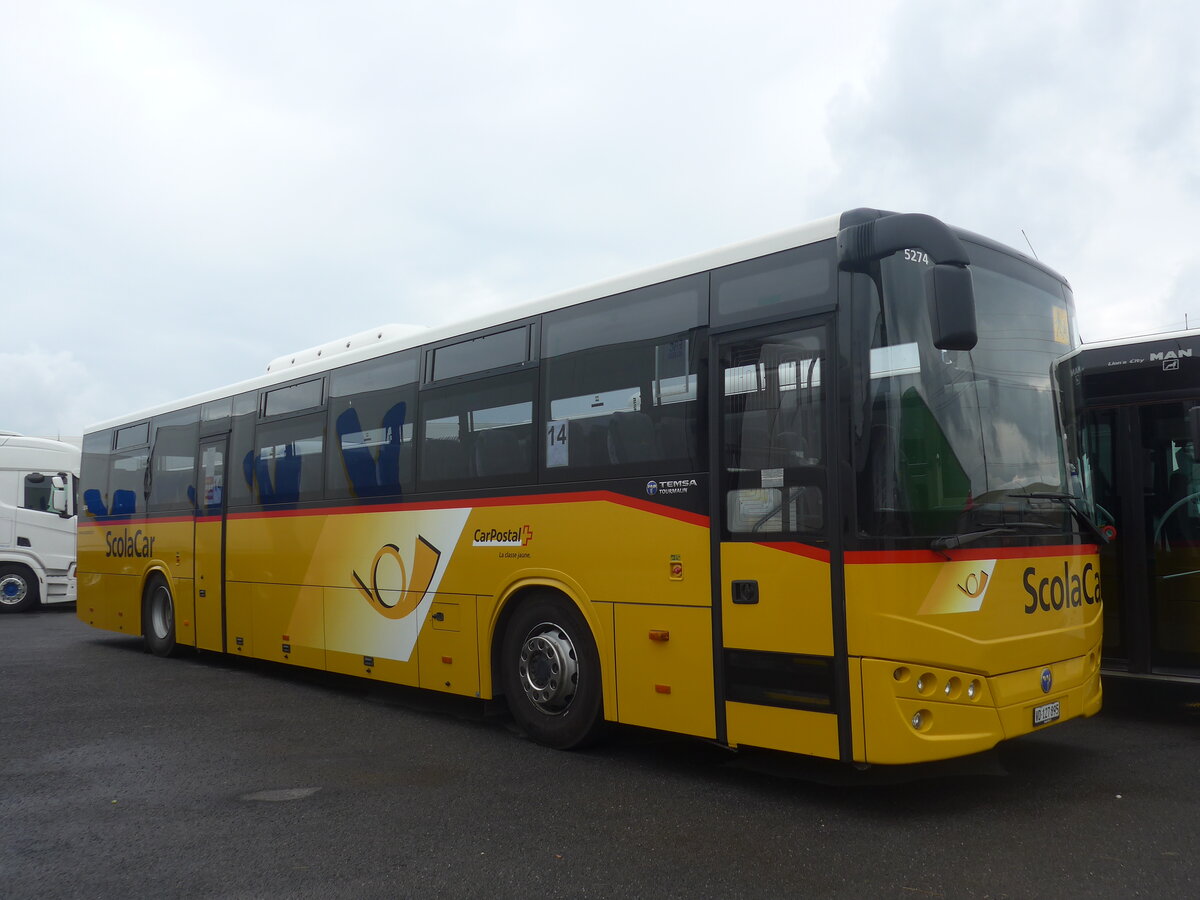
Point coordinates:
[[1151, 700], [963, 782]]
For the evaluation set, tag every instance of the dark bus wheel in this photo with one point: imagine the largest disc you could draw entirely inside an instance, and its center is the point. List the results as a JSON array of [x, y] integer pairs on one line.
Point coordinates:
[[158, 617], [550, 672]]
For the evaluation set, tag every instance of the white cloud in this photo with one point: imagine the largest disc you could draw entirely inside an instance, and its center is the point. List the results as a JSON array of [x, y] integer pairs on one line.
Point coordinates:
[[48, 392], [196, 188]]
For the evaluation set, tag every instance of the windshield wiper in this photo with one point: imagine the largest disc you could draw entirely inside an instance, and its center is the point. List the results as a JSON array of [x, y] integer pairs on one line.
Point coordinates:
[[954, 541], [1068, 500]]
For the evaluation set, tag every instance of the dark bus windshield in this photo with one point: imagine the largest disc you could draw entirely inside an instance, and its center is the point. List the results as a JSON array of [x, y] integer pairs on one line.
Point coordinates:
[[945, 439]]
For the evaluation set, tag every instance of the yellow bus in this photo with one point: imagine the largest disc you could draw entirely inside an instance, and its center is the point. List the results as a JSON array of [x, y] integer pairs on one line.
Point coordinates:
[[803, 493]]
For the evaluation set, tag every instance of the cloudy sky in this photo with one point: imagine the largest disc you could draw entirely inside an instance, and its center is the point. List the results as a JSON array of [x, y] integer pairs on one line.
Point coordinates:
[[190, 189]]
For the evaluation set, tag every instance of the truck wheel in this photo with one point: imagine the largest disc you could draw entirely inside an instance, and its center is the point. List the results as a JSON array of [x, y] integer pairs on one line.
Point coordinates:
[[18, 589], [158, 617], [551, 673]]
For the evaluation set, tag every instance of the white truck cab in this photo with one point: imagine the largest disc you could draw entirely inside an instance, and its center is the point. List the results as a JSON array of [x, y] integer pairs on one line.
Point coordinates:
[[38, 485]]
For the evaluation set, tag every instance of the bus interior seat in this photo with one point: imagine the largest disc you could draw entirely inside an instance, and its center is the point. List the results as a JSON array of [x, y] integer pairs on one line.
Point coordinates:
[[357, 459], [94, 503], [498, 452], [671, 433], [287, 475], [751, 444], [788, 450], [580, 440], [443, 459], [124, 503], [395, 451], [630, 437], [262, 477]]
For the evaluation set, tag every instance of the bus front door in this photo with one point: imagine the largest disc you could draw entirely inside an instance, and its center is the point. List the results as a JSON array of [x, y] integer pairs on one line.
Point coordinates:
[[776, 654], [1146, 481], [210, 544]]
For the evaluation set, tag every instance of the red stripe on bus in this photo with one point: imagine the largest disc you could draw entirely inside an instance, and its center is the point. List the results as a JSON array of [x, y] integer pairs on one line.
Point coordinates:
[[139, 520], [889, 557], [689, 518], [798, 549]]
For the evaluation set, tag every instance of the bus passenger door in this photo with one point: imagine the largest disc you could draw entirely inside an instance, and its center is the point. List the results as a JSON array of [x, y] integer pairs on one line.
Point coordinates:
[[210, 544], [775, 520], [1170, 544]]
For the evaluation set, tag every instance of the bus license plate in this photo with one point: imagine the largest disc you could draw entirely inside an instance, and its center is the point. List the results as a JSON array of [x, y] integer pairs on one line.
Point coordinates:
[[1047, 712]]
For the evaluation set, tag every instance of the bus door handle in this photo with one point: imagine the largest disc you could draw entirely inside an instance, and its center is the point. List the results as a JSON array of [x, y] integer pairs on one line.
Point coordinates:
[[745, 592]]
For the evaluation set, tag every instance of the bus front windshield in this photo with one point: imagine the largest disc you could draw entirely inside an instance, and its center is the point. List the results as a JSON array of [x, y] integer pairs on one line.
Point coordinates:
[[952, 443]]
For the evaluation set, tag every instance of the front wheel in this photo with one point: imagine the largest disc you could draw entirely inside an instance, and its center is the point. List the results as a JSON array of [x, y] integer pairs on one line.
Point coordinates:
[[158, 617], [18, 590], [551, 673]]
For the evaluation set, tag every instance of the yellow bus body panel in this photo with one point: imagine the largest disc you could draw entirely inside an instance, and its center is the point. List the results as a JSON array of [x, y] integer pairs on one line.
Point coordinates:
[[1025, 630], [114, 562], [775, 728], [793, 614], [666, 676], [414, 594]]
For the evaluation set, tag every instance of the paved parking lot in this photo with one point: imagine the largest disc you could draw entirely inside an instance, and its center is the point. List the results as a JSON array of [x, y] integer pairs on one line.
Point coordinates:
[[127, 775]]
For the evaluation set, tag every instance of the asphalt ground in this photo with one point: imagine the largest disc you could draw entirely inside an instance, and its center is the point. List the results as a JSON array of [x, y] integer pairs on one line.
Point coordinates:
[[126, 775]]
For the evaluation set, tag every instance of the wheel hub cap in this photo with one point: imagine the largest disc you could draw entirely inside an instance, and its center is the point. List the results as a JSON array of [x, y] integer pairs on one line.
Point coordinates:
[[12, 590], [548, 669]]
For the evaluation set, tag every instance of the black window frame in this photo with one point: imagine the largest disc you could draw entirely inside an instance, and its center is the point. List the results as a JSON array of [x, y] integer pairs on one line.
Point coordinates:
[[532, 326]]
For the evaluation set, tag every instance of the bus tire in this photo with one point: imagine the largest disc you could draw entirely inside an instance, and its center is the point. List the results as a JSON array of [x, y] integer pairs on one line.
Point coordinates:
[[158, 617], [550, 672], [18, 589]]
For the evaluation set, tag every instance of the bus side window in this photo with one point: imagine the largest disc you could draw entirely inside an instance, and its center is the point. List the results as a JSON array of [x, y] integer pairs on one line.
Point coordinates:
[[479, 430], [127, 482], [371, 430], [173, 445], [623, 382], [289, 460], [94, 473]]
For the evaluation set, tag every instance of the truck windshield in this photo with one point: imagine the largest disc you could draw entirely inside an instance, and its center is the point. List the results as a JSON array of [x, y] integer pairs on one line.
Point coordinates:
[[946, 441]]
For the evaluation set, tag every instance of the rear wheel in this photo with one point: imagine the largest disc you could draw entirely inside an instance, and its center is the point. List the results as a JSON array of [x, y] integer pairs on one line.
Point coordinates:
[[158, 617], [551, 673], [18, 589]]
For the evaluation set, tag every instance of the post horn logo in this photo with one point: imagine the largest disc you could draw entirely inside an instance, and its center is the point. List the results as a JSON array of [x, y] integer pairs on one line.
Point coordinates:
[[398, 602], [974, 584]]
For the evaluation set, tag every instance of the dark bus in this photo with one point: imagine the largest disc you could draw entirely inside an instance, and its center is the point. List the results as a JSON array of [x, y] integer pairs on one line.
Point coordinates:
[[1128, 407]]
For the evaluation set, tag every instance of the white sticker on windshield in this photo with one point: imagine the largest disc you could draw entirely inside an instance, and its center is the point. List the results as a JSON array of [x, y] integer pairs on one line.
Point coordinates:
[[901, 359]]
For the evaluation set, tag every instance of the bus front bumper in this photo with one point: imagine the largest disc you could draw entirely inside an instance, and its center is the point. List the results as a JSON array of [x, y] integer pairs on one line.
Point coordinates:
[[915, 713]]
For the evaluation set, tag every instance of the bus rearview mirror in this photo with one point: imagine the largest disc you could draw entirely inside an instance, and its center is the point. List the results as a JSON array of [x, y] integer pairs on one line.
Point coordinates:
[[951, 307]]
